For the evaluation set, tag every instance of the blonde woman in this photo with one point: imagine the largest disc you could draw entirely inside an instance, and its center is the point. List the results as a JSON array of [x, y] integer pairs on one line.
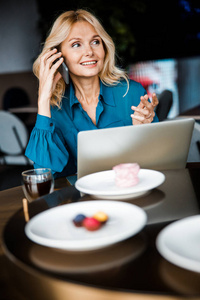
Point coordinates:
[[99, 94]]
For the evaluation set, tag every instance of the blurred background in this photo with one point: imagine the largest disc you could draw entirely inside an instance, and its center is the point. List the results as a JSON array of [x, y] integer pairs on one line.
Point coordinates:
[[153, 40], [157, 42]]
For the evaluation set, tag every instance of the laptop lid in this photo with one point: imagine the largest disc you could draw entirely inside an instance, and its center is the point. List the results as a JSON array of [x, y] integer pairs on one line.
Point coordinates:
[[158, 146]]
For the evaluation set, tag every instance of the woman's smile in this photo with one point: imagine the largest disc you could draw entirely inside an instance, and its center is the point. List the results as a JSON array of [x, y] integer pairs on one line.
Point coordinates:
[[91, 63]]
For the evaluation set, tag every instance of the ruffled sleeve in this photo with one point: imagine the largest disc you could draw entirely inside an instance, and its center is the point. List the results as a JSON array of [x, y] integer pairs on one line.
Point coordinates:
[[46, 146]]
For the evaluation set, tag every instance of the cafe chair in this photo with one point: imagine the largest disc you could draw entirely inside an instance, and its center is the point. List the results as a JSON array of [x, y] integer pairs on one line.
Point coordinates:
[[165, 103], [13, 140], [16, 97], [194, 151]]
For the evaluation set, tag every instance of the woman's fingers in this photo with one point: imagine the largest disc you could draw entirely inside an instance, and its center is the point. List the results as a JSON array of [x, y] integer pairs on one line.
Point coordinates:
[[52, 59], [144, 112], [48, 54], [142, 119], [155, 101]]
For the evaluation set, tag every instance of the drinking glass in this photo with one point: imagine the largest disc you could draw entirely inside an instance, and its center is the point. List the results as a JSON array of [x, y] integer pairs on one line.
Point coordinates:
[[37, 182]]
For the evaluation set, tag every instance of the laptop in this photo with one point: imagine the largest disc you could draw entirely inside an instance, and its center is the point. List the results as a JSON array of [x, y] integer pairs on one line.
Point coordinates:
[[158, 146]]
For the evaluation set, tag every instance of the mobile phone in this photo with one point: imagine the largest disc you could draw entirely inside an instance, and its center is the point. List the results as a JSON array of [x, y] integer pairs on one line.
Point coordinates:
[[63, 69]]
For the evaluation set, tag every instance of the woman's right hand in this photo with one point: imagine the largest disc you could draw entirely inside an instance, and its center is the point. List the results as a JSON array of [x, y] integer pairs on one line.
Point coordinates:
[[48, 78]]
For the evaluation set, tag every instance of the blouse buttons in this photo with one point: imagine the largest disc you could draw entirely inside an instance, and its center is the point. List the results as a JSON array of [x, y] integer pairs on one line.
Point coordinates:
[[51, 124]]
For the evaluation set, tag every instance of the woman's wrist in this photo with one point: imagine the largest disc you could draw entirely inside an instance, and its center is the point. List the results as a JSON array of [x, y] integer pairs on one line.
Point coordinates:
[[44, 107]]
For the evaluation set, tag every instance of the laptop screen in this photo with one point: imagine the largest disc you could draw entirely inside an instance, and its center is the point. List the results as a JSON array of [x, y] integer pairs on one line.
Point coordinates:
[[158, 146]]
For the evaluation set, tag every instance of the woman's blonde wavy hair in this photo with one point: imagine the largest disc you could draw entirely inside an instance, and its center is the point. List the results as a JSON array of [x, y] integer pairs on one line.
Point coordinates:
[[109, 75]]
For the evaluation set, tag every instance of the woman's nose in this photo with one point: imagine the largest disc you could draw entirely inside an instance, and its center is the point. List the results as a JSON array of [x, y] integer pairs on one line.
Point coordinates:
[[89, 51]]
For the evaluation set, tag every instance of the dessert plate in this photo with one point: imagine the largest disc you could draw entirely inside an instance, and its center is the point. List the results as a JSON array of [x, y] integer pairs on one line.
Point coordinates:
[[102, 184], [179, 243], [54, 227]]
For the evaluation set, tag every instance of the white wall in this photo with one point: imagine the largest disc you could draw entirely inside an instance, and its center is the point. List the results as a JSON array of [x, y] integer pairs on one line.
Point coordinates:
[[19, 37]]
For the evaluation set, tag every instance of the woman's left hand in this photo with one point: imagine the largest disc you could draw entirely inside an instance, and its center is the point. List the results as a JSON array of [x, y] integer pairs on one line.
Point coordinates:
[[144, 112]]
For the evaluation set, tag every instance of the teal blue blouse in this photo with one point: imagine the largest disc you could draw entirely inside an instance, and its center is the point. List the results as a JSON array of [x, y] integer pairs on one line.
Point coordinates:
[[53, 141]]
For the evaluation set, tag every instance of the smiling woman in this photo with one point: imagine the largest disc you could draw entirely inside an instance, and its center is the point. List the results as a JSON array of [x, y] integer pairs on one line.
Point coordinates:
[[98, 95], [83, 51]]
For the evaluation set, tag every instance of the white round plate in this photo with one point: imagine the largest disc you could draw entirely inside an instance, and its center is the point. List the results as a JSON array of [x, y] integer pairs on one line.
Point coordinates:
[[54, 227], [179, 243], [102, 184]]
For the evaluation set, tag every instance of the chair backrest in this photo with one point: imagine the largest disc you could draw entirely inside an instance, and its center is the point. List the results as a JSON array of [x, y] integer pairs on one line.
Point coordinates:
[[13, 134], [194, 151], [16, 97], [165, 103]]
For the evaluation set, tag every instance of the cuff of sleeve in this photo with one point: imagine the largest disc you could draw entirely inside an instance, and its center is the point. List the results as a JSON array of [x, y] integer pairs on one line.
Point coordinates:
[[45, 123]]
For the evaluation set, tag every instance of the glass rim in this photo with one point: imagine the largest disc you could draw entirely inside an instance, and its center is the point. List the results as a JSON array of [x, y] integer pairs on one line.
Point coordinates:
[[26, 173]]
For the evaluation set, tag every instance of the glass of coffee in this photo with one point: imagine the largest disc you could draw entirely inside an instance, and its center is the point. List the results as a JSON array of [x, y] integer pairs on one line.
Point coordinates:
[[37, 183]]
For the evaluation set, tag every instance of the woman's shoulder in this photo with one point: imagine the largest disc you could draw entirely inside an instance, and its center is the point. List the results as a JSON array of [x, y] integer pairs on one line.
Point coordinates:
[[132, 84], [128, 87], [135, 84]]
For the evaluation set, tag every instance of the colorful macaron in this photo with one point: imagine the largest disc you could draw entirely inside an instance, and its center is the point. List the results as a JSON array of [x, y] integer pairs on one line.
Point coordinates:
[[101, 217], [78, 220], [91, 223]]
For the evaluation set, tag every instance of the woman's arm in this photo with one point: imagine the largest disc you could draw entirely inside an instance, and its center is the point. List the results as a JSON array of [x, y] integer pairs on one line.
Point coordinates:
[[46, 146]]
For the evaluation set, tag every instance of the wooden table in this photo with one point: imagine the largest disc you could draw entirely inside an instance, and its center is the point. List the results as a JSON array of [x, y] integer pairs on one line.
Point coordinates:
[[10, 202], [173, 200]]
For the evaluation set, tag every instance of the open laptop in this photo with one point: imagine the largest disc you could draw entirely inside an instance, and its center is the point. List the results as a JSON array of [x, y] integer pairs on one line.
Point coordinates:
[[158, 146]]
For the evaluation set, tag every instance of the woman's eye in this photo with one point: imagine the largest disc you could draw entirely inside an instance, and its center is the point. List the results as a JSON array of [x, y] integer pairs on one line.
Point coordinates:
[[96, 42], [75, 45]]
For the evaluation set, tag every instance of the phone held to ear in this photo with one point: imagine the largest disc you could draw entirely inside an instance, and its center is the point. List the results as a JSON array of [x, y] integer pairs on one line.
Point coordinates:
[[63, 70]]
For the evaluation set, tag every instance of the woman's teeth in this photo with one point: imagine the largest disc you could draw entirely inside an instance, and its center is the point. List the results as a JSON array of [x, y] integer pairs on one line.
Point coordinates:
[[89, 63]]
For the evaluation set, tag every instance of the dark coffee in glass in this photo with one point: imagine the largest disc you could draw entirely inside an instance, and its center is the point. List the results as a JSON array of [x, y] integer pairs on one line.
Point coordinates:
[[37, 182]]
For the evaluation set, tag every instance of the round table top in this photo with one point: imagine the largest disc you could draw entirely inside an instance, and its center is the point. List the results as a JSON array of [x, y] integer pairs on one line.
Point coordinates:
[[135, 270]]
